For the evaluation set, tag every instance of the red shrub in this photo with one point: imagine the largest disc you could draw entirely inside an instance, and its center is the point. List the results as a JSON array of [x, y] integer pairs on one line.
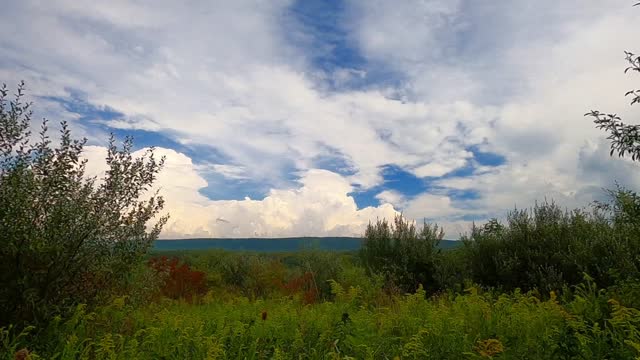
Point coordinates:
[[304, 284], [180, 281]]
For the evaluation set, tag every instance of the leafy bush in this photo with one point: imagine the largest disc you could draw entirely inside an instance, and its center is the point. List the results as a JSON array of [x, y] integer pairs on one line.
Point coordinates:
[[546, 248], [452, 271], [180, 281], [260, 275], [406, 256], [65, 238]]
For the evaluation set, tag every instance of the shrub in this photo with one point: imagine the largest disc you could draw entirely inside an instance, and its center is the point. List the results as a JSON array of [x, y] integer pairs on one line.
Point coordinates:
[[65, 238], [305, 285], [180, 281], [406, 256], [546, 248]]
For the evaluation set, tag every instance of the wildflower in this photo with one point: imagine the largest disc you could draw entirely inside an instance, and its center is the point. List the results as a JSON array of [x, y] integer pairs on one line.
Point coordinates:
[[489, 348], [22, 354]]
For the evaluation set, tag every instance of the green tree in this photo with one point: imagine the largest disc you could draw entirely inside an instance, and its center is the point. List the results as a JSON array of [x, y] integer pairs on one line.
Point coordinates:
[[406, 255], [546, 247], [66, 238]]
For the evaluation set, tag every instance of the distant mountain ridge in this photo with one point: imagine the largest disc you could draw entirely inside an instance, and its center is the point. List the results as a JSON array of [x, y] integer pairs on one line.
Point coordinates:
[[272, 244]]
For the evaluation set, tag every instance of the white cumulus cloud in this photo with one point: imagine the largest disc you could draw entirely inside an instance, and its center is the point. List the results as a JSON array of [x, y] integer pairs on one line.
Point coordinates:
[[319, 205]]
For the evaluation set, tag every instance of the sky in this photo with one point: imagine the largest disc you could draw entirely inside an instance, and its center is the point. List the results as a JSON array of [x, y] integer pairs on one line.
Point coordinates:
[[312, 118]]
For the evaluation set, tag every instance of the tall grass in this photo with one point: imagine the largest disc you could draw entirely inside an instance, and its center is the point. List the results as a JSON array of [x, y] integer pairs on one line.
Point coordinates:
[[547, 284], [412, 326]]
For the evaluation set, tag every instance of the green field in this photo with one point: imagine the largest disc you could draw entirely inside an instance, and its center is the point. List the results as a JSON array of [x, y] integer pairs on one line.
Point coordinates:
[[326, 305], [547, 284], [351, 325]]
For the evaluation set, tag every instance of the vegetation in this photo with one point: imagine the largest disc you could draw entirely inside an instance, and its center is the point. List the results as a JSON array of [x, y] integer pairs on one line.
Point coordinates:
[[547, 248], [271, 316], [318, 305], [405, 255], [625, 138], [77, 280], [65, 238]]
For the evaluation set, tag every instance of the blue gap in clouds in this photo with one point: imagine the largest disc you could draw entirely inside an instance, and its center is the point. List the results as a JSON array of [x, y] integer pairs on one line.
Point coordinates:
[[474, 217], [320, 28], [482, 158], [407, 184], [77, 103], [222, 188], [467, 170], [219, 188], [92, 116], [323, 24], [487, 158], [395, 178], [333, 160]]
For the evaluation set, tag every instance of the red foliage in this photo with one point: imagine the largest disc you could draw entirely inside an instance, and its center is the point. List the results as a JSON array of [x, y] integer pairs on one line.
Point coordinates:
[[305, 284], [180, 281]]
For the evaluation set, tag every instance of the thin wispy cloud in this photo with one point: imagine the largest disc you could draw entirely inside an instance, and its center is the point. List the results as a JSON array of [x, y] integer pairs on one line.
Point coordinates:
[[287, 118]]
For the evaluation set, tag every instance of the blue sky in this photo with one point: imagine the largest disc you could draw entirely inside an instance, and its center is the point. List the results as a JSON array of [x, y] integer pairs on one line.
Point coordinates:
[[289, 118]]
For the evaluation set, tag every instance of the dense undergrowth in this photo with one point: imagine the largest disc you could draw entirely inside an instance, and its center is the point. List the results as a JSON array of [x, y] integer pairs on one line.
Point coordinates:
[[353, 324], [547, 284]]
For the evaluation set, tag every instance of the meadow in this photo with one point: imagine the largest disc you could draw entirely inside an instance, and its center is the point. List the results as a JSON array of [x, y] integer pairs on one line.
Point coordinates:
[[474, 325], [369, 304]]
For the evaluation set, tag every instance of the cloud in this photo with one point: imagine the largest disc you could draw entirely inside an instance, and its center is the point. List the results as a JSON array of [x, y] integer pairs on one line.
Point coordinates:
[[229, 171], [526, 88], [319, 204], [392, 197], [238, 92], [437, 79]]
